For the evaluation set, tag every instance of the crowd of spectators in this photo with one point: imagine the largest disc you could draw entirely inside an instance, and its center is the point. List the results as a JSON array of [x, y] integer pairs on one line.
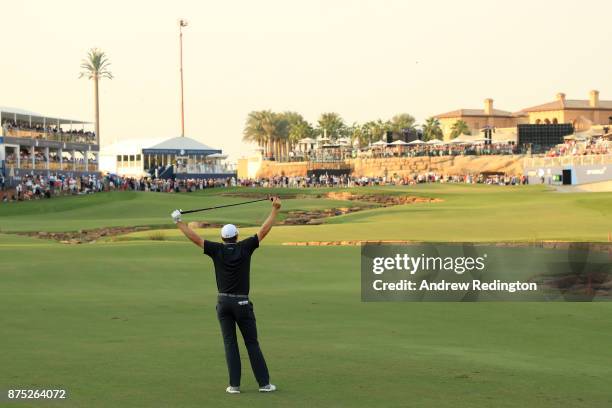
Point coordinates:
[[40, 157], [34, 187], [40, 131], [329, 154], [445, 150], [581, 148], [165, 185], [326, 180]]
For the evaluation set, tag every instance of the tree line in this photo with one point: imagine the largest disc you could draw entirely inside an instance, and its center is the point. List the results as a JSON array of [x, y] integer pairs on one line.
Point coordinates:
[[277, 133]]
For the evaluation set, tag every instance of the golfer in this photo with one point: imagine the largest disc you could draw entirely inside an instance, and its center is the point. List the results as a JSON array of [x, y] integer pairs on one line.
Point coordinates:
[[232, 260]]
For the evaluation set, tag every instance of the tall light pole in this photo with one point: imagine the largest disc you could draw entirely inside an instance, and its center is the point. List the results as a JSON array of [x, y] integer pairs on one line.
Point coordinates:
[[182, 23]]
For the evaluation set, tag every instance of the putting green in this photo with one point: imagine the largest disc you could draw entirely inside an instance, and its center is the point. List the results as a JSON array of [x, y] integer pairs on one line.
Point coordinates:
[[131, 323]]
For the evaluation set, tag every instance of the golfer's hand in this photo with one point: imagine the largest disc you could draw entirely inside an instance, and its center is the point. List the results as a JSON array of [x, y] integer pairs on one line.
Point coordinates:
[[176, 216], [276, 203]]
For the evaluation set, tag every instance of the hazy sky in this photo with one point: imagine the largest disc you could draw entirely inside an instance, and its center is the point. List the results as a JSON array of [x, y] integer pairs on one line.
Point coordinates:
[[363, 59]]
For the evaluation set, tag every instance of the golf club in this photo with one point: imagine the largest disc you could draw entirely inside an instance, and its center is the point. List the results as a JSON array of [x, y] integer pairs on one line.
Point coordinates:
[[226, 205]]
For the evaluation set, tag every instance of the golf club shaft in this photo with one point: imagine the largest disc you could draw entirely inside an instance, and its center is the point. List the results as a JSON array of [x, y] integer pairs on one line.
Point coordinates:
[[223, 206]]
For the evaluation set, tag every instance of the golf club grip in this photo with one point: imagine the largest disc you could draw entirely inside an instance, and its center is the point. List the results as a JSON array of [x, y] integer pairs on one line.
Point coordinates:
[[223, 206]]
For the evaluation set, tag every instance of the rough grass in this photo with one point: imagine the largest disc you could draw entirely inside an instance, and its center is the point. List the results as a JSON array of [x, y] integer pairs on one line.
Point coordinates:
[[157, 236]]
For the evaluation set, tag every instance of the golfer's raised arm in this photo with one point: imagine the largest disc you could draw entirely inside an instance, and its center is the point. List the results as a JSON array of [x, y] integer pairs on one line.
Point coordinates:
[[188, 232], [267, 225]]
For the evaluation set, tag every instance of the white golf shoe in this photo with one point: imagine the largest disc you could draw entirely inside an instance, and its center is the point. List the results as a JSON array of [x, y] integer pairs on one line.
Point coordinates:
[[267, 388], [232, 390]]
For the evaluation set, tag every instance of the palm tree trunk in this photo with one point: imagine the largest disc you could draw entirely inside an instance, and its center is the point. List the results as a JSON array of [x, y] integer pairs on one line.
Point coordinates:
[[97, 110], [274, 149]]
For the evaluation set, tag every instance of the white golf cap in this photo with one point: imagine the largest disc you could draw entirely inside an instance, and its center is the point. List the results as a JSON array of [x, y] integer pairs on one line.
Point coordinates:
[[229, 231]]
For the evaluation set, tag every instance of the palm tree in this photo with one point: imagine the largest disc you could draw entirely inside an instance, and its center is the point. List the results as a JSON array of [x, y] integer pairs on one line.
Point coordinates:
[[401, 122], [459, 128], [298, 128], [332, 124], [432, 129], [96, 67], [268, 124], [376, 130], [270, 130], [253, 129], [357, 133], [281, 134]]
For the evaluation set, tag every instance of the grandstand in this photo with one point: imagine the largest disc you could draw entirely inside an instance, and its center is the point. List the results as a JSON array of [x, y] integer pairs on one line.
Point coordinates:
[[177, 158], [581, 159], [183, 157], [32, 143]]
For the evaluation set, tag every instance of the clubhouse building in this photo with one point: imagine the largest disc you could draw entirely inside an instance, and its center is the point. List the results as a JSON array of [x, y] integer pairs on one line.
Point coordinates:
[[582, 114]]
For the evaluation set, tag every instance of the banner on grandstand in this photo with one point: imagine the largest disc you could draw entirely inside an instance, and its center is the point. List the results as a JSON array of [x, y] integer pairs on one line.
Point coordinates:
[[470, 272]]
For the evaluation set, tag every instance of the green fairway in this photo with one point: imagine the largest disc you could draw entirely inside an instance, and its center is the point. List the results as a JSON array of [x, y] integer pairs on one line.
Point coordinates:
[[467, 212], [137, 208], [130, 322]]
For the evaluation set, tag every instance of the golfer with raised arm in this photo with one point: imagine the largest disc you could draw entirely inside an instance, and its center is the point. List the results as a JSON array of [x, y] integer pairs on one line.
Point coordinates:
[[232, 260]]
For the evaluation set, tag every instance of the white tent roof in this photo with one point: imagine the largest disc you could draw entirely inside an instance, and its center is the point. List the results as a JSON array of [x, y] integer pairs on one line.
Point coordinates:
[[434, 142], [589, 133], [8, 112], [464, 138], [398, 143], [19, 111], [416, 142], [577, 136], [379, 143], [181, 143]]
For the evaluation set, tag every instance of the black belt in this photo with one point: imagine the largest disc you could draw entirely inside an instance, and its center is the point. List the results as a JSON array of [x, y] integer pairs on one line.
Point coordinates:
[[232, 295]]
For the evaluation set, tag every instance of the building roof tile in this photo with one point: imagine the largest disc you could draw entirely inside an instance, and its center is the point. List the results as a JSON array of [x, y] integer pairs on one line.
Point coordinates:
[[569, 104], [473, 112]]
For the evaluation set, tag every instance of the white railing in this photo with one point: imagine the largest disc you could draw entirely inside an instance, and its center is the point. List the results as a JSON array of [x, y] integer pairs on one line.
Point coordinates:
[[204, 169]]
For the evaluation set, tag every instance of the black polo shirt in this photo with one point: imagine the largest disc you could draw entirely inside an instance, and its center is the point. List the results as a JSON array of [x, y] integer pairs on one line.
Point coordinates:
[[232, 264]]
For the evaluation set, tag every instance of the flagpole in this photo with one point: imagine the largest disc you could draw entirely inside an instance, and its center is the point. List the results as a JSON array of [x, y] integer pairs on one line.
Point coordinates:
[[182, 23]]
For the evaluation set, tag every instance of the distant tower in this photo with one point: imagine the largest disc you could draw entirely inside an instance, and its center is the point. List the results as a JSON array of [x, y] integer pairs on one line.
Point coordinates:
[[182, 23]]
